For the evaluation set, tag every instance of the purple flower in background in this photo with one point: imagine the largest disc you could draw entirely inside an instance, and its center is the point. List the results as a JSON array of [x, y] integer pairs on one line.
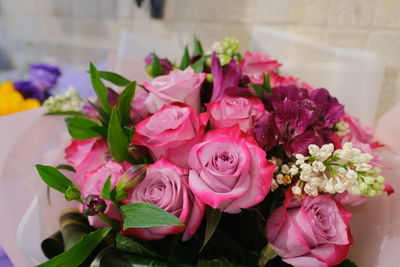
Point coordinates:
[[28, 90], [44, 76], [4, 260], [165, 63], [298, 118]]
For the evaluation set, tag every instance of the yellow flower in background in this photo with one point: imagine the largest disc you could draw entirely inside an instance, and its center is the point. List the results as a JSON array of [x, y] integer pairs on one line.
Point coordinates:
[[12, 101]]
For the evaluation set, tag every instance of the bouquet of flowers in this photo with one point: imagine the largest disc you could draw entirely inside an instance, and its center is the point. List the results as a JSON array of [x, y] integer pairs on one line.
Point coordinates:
[[218, 161]]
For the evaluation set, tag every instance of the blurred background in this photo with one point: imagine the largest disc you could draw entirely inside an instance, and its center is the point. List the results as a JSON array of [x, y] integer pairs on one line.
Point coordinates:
[[77, 31]]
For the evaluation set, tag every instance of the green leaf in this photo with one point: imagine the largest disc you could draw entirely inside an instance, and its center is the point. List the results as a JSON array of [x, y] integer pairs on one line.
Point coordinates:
[[266, 254], [145, 215], [99, 88], [198, 49], [63, 113], [156, 68], [267, 84], [117, 141], [81, 128], [80, 251], [114, 78], [347, 263], [106, 191], [216, 263], [72, 193], [66, 167], [129, 245], [53, 178], [124, 103], [185, 61], [104, 116], [198, 66], [259, 89], [213, 216]]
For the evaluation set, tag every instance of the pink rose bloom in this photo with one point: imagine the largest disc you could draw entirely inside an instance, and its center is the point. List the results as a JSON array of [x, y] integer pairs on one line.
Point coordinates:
[[178, 86], [165, 186], [230, 111], [347, 199], [278, 80], [93, 184], [171, 132], [229, 170], [312, 232], [139, 110], [86, 156], [255, 65]]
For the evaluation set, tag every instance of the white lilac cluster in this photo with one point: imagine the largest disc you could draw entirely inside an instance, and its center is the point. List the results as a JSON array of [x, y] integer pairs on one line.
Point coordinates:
[[226, 49], [332, 171], [71, 101], [342, 128]]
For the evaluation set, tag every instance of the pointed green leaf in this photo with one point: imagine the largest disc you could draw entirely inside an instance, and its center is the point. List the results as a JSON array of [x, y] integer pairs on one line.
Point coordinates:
[[80, 251], [185, 61], [114, 78], [213, 216], [258, 89], [124, 103], [64, 113], [156, 68], [267, 84], [72, 193], [144, 215], [80, 128], [66, 167], [198, 49], [99, 88], [117, 141], [106, 190], [198, 66], [53, 178]]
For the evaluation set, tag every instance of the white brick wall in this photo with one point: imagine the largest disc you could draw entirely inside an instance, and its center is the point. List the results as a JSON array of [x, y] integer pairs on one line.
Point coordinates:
[[86, 30]]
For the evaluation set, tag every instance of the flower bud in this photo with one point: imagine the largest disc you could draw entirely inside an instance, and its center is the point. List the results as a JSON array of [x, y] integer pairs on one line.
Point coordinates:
[[132, 177], [94, 204]]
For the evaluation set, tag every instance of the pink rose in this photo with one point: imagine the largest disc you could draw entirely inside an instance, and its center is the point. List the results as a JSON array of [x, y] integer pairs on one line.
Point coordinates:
[[139, 110], [230, 111], [177, 86], [171, 132], [229, 170], [312, 232], [278, 80], [86, 156], [93, 184], [165, 186], [255, 65], [347, 199]]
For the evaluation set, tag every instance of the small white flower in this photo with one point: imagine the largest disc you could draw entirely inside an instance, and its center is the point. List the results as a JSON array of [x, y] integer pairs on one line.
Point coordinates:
[[318, 166], [296, 190], [279, 178], [293, 170], [363, 167], [305, 177], [285, 169], [274, 185], [306, 168], [351, 175], [313, 150], [300, 159]]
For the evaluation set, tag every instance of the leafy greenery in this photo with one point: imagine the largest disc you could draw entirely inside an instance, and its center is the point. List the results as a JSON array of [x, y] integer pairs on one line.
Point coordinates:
[[81, 128], [80, 251], [198, 66], [156, 68], [114, 78], [213, 216], [124, 103], [198, 49], [99, 88], [347, 263], [145, 215], [53, 178], [185, 61]]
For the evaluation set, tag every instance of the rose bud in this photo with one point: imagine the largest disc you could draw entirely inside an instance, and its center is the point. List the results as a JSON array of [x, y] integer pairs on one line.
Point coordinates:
[[94, 204]]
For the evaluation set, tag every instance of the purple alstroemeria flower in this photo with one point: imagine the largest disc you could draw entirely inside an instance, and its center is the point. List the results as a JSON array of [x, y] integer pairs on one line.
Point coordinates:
[[4, 260], [165, 63], [224, 77], [44, 76], [28, 90], [298, 119]]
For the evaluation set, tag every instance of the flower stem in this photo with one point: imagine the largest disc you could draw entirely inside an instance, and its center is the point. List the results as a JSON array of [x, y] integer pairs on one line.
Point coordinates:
[[113, 223]]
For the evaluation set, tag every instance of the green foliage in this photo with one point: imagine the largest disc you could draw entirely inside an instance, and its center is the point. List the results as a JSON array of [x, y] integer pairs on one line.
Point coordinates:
[[114, 78], [82, 128]]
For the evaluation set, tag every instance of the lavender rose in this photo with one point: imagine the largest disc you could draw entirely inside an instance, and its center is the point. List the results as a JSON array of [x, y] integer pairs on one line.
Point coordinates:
[[312, 232], [165, 186]]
